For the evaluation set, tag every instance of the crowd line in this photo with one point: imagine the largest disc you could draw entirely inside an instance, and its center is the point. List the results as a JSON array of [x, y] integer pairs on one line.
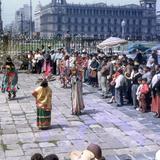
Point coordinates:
[[129, 81]]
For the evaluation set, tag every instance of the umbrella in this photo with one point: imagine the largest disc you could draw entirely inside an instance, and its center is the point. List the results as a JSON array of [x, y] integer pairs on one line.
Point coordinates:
[[139, 47], [157, 47], [111, 42]]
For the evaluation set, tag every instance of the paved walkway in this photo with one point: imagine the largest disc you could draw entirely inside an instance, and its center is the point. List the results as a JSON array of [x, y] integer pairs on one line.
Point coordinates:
[[123, 133]]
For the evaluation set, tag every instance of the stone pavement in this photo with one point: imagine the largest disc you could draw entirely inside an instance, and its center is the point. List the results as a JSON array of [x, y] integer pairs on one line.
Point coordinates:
[[123, 133]]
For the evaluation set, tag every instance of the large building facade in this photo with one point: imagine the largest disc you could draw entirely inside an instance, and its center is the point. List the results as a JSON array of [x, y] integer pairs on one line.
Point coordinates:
[[22, 21], [99, 20]]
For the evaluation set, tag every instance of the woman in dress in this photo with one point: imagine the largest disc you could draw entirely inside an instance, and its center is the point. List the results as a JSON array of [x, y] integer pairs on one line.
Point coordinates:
[[76, 95], [10, 79], [47, 65], [43, 95]]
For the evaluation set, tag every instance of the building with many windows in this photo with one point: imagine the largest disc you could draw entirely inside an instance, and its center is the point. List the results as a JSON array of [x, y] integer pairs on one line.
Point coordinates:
[[99, 20], [22, 21]]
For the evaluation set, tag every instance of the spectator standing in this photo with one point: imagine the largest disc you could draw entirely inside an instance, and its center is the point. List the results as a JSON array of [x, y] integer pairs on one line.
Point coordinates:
[[119, 88], [155, 107]]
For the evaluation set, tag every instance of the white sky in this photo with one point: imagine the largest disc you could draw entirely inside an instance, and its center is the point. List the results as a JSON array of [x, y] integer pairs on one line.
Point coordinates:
[[9, 7]]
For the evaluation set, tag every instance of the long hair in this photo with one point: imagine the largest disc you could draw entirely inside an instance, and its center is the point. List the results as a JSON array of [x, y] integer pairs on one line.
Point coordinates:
[[44, 83]]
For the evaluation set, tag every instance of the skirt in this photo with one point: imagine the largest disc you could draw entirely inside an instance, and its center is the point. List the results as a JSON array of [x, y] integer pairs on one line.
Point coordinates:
[[43, 119], [156, 104], [77, 98]]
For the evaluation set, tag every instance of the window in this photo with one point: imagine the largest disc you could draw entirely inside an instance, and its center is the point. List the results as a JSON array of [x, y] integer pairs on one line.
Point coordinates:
[[89, 20], [102, 21], [149, 22], [82, 28], [89, 29], [102, 29], [134, 22], [59, 19], [76, 21], [69, 20], [76, 28], [59, 27], [115, 21], [82, 20], [96, 21], [95, 28], [109, 21]]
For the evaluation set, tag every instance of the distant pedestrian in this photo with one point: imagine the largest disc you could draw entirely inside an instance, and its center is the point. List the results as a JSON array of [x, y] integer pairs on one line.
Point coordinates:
[[43, 95]]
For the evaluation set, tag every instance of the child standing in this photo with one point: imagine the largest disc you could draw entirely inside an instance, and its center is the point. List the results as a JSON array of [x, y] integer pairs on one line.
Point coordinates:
[[144, 90]]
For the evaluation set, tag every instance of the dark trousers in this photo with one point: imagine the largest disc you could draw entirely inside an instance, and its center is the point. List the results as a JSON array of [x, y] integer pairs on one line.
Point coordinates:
[[119, 95]]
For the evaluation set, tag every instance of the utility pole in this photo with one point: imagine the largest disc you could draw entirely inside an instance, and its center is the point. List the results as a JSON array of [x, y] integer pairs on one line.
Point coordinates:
[[21, 23], [30, 28]]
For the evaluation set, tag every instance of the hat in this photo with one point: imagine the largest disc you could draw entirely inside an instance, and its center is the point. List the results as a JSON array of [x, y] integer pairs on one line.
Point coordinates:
[[93, 151], [96, 150], [85, 155], [157, 157]]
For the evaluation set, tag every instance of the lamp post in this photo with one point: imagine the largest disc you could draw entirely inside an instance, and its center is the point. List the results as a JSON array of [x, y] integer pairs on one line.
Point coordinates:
[[30, 24], [123, 24]]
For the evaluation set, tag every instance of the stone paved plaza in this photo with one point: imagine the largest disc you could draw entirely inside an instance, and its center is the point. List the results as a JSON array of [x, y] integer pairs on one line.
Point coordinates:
[[123, 133]]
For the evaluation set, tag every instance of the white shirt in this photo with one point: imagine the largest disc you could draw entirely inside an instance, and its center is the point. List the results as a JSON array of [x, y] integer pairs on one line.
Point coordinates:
[[120, 81]]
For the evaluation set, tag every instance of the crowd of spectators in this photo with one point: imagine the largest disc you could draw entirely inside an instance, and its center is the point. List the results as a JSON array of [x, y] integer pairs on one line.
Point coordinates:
[[128, 81]]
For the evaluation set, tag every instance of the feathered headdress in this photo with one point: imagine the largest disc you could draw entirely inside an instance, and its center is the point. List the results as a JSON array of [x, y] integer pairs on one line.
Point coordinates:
[[50, 78]]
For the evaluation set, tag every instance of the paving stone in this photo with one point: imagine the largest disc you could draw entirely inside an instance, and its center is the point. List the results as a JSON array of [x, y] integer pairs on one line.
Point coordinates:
[[122, 133], [124, 157], [14, 153], [46, 144]]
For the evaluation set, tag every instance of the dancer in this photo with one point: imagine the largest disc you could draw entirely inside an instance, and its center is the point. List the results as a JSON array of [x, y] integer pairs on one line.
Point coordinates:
[[10, 79], [76, 95], [43, 95], [47, 65]]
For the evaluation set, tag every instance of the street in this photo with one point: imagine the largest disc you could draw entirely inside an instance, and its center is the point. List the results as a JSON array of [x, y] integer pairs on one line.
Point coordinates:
[[122, 132]]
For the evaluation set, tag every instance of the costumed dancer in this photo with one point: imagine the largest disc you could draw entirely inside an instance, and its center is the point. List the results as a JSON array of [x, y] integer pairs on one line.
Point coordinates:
[[43, 95], [47, 65], [64, 71], [76, 94], [10, 79]]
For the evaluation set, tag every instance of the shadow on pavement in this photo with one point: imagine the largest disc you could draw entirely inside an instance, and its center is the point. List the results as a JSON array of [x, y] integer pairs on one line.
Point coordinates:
[[91, 111]]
